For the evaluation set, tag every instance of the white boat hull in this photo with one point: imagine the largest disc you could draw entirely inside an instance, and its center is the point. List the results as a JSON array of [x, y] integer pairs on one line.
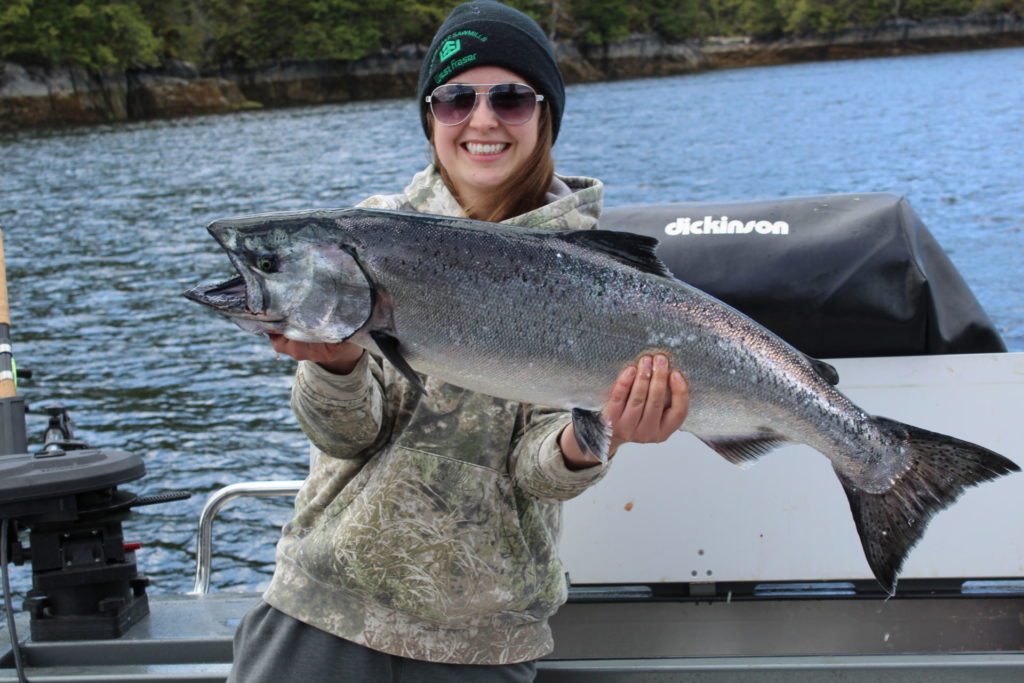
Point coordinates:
[[677, 512]]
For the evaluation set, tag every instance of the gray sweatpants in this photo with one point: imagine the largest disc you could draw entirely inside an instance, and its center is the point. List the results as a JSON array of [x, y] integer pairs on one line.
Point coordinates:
[[272, 647]]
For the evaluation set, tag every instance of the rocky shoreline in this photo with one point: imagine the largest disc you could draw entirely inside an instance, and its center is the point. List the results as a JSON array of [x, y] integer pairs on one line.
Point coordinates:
[[36, 96]]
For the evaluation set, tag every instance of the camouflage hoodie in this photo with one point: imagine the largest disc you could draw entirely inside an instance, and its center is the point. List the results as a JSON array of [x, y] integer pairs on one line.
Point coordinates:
[[428, 526]]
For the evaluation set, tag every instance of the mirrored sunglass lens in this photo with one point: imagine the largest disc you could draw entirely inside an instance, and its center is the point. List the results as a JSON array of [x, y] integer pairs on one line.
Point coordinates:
[[452, 103], [512, 102]]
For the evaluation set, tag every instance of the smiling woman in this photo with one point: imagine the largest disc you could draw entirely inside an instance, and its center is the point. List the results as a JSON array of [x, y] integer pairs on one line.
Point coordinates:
[[424, 537]]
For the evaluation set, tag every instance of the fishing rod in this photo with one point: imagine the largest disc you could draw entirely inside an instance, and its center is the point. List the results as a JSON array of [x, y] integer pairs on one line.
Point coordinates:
[[12, 440], [12, 408], [7, 387]]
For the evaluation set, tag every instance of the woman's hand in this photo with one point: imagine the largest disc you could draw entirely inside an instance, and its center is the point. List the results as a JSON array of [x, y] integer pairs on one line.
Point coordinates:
[[337, 358], [648, 402]]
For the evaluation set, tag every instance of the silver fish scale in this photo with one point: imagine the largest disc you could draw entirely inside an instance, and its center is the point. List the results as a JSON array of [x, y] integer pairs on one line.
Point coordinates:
[[520, 316]]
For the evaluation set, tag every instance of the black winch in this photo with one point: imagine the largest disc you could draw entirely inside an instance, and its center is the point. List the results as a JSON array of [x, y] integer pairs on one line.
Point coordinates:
[[85, 583]]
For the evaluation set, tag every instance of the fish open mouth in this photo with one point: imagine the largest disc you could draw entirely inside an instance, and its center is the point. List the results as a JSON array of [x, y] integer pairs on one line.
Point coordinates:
[[231, 297], [228, 296]]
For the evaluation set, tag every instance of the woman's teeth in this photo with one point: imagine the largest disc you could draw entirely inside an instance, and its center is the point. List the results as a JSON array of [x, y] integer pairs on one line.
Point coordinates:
[[478, 148]]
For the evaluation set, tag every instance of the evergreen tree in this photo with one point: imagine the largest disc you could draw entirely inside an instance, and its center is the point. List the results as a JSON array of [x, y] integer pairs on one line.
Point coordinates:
[[100, 34], [95, 34]]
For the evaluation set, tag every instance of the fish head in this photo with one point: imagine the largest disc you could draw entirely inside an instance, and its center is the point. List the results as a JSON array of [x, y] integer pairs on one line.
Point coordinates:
[[296, 276]]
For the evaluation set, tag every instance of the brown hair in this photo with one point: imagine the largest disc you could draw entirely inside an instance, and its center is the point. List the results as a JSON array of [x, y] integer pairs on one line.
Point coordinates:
[[526, 189]]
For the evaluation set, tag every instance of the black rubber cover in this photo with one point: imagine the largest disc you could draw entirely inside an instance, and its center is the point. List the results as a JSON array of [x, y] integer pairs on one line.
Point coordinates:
[[847, 275]]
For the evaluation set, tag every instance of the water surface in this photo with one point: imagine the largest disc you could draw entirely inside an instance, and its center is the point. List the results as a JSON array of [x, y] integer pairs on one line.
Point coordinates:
[[104, 228]]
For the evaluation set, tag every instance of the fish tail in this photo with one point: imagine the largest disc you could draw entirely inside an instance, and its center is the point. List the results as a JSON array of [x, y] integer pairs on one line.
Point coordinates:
[[941, 468]]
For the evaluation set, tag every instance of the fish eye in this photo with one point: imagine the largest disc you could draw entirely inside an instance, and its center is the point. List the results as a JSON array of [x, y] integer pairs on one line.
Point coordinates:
[[265, 263]]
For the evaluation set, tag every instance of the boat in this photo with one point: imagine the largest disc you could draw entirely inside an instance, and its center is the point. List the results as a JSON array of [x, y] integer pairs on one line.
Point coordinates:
[[682, 566]]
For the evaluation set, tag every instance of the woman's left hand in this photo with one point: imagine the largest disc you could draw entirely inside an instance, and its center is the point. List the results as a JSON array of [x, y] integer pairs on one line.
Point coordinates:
[[648, 403]]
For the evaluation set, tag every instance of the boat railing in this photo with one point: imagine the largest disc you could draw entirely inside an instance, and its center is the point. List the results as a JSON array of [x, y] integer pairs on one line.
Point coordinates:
[[217, 500]]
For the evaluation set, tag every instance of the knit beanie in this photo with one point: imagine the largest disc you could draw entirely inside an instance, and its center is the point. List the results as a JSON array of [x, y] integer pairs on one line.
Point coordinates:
[[488, 33]]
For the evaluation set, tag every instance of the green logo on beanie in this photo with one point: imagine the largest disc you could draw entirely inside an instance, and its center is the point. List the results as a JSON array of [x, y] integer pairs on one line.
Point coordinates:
[[449, 48], [453, 43]]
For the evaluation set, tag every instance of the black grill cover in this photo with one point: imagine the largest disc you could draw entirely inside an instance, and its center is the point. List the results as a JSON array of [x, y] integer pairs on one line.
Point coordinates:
[[834, 275]]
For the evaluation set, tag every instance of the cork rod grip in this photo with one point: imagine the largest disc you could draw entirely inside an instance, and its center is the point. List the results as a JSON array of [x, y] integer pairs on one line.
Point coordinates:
[[7, 388]]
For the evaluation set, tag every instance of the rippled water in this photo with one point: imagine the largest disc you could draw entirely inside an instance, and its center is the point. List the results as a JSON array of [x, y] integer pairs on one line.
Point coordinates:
[[104, 228]]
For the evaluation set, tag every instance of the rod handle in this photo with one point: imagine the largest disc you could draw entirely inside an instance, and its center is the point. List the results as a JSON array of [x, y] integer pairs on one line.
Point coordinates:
[[5, 311], [7, 387]]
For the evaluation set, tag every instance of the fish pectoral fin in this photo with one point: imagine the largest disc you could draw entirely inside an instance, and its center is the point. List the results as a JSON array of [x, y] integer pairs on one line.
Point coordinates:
[[593, 435], [744, 449], [389, 348], [625, 247]]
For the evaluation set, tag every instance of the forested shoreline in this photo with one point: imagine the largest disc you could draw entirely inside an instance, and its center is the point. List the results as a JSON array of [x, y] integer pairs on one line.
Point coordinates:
[[131, 34], [99, 60]]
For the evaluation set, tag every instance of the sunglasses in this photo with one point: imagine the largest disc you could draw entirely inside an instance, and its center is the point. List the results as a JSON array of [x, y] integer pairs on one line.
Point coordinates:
[[512, 103]]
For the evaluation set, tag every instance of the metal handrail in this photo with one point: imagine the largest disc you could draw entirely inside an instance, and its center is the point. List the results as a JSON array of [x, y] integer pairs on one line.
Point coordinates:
[[217, 500]]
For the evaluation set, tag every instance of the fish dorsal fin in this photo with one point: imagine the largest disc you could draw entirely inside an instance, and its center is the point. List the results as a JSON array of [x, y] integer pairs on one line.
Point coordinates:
[[625, 247], [824, 370]]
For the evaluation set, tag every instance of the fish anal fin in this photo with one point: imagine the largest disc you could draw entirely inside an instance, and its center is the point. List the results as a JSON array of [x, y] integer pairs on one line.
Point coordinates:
[[593, 435], [744, 449], [633, 250], [390, 348]]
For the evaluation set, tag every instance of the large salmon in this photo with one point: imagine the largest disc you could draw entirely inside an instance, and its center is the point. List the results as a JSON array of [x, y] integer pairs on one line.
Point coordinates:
[[551, 318]]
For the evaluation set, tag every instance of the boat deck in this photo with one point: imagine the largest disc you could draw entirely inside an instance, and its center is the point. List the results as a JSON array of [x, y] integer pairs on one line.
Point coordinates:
[[188, 638]]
